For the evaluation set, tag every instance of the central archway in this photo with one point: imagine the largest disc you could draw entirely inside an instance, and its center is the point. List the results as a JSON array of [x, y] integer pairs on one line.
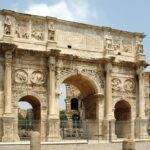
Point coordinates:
[[86, 103], [32, 119], [88, 90]]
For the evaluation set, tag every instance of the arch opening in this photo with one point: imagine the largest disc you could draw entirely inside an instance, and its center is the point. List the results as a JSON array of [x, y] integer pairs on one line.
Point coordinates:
[[87, 90], [122, 115], [29, 116]]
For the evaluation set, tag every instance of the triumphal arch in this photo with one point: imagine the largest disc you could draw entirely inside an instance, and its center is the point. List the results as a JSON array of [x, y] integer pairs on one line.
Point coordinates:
[[38, 54]]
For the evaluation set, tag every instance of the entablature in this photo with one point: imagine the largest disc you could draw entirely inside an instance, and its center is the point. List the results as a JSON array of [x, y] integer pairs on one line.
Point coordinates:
[[38, 33]]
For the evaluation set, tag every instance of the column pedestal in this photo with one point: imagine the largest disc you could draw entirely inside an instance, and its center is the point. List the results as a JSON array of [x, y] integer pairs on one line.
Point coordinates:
[[43, 129], [9, 130], [108, 130], [54, 130], [113, 135], [141, 126]]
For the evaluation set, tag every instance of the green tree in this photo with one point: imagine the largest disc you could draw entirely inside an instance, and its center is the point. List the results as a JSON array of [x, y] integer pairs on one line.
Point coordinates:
[[62, 115]]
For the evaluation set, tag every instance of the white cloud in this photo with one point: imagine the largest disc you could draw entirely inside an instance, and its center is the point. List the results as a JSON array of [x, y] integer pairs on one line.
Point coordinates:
[[75, 10]]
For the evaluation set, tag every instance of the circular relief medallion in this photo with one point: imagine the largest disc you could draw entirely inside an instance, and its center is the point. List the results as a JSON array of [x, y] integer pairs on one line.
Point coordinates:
[[21, 76], [38, 77], [116, 84], [129, 85]]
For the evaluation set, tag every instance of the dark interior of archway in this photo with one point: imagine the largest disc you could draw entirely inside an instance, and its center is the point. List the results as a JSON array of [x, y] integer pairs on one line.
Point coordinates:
[[74, 104], [122, 111], [35, 105], [87, 89]]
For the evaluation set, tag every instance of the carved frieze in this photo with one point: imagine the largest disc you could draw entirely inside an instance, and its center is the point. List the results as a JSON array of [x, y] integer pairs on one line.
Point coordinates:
[[7, 25], [22, 29], [37, 30], [116, 44], [21, 76], [38, 78], [129, 85], [127, 45], [116, 84]]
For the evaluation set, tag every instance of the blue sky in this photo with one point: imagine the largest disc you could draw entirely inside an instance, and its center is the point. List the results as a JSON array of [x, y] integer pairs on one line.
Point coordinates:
[[130, 15]]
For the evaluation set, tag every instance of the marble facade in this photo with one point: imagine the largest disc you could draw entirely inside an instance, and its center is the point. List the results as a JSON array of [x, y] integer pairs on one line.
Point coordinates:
[[38, 54]]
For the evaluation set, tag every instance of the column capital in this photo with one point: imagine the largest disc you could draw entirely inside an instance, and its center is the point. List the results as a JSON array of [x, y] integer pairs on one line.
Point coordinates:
[[108, 67], [140, 70], [8, 56], [52, 62]]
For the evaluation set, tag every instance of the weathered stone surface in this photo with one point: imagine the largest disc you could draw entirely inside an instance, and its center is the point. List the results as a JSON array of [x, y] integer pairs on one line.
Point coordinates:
[[38, 54]]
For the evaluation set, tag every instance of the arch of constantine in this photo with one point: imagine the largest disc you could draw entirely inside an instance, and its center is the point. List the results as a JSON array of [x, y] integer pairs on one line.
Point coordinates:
[[38, 54]]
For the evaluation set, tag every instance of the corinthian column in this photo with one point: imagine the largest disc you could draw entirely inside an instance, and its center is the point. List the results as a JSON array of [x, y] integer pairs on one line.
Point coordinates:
[[53, 116], [108, 92], [141, 121], [52, 89], [141, 100], [7, 83]]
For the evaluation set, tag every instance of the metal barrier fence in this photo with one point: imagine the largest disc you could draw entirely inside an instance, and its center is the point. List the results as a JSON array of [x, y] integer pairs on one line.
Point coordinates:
[[87, 130]]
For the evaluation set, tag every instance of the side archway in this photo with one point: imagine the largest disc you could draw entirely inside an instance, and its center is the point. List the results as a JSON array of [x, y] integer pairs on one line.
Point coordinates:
[[32, 119], [122, 115]]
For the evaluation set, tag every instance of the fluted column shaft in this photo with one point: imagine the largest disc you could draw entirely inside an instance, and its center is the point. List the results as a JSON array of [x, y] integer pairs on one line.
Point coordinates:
[[108, 91], [7, 83], [141, 100], [52, 88]]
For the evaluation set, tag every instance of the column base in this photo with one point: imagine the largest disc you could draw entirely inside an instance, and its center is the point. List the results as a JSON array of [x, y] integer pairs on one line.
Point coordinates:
[[53, 139], [141, 126], [9, 130], [54, 130]]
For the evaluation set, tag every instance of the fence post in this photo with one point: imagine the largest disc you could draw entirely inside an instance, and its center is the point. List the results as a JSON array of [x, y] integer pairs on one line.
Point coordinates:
[[128, 144], [35, 142]]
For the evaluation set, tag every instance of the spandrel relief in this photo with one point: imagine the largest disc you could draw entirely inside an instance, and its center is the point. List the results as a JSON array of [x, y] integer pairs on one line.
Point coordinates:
[[38, 78], [129, 85], [116, 84], [21, 76]]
